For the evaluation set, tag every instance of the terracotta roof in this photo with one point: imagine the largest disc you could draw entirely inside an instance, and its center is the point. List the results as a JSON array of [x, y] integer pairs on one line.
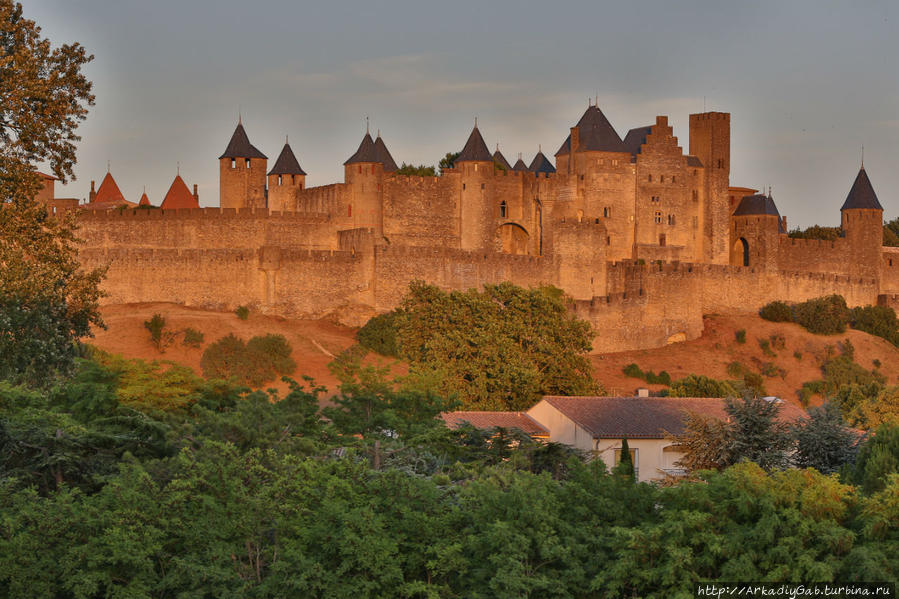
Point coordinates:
[[540, 164], [178, 196], [520, 166], [287, 163], [365, 153], [109, 192], [635, 138], [645, 417], [240, 146], [501, 160], [596, 134], [383, 155], [757, 204], [46, 176], [475, 149], [487, 420], [110, 205], [144, 200], [862, 195]]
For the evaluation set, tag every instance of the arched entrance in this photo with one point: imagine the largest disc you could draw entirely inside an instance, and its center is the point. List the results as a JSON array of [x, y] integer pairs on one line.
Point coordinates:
[[740, 253], [513, 238]]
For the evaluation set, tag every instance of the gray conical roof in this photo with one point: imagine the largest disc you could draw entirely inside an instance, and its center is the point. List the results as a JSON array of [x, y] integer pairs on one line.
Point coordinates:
[[475, 149], [862, 196], [287, 163], [757, 205], [520, 166], [540, 164], [596, 134], [365, 153], [499, 159], [382, 154], [240, 146]]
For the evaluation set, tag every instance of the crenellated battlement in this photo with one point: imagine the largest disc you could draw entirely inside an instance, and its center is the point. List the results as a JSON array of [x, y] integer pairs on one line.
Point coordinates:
[[211, 214]]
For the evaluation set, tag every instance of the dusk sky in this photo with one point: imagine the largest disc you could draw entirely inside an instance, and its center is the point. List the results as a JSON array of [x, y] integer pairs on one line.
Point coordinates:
[[807, 84]]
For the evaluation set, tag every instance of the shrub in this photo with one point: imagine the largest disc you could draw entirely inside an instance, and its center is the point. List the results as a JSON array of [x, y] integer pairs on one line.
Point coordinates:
[[741, 336], [379, 334], [876, 363], [735, 370], [254, 363], [777, 312], [754, 383], [242, 312], [662, 378], [697, 385], [771, 370], [766, 348], [192, 337], [823, 315], [797, 354], [156, 326], [777, 341], [876, 320]]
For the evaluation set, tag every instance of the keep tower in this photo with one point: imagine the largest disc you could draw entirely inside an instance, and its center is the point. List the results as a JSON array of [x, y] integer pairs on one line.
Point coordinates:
[[242, 173], [862, 224], [475, 164], [364, 172], [284, 181], [710, 142]]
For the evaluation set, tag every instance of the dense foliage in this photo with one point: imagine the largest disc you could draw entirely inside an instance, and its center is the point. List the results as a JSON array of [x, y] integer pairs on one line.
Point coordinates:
[[662, 378], [416, 171], [777, 311], [697, 385], [230, 494], [254, 363], [46, 301], [816, 232], [379, 334], [500, 348]]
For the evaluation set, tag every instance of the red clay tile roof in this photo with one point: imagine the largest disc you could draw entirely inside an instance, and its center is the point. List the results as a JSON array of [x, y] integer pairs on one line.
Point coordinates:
[[644, 417], [485, 420], [179, 196], [108, 191], [144, 200]]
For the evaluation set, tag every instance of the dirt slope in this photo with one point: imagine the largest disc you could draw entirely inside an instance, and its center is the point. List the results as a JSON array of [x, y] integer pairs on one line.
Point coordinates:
[[315, 342], [711, 353]]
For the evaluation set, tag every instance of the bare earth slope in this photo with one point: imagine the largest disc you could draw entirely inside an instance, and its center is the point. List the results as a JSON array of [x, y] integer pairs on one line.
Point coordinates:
[[315, 342], [711, 353]]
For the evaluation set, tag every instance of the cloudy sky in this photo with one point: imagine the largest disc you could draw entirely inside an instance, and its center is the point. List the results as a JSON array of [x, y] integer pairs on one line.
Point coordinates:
[[807, 83]]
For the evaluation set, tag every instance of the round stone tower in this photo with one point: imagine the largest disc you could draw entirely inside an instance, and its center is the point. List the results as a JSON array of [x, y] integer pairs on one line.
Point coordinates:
[[242, 173]]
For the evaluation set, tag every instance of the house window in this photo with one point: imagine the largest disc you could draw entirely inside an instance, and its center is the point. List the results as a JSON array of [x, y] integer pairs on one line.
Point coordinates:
[[607, 212], [671, 219], [503, 210], [658, 218]]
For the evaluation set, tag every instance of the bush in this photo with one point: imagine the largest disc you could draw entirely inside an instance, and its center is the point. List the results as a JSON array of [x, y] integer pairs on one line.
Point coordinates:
[[797, 354], [735, 370], [741, 336], [242, 312], [192, 337], [766, 348], [662, 378], [876, 320], [696, 385], [379, 334], [254, 363], [823, 315], [754, 384], [159, 337], [777, 312]]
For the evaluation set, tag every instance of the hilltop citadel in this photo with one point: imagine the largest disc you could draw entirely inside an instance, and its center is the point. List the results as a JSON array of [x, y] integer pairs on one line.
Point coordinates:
[[645, 237]]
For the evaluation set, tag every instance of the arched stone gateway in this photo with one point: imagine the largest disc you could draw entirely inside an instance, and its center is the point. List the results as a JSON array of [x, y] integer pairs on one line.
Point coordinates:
[[739, 255], [513, 239]]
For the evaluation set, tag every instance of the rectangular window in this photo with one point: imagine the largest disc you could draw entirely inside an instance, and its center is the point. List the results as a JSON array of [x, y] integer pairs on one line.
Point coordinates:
[[650, 178], [656, 199], [662, 179], [233, 163], [671, 219], [248, 163], [658, 218], [607, 212], [673, 179]]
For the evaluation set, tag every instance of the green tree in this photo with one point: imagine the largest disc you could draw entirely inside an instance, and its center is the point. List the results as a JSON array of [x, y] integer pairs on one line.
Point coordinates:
[[824, 441], [417, 171], [704, 442], [448, 161], [46, 302], [625, 466], [877, 459], [698, 385], [500, 348], [756, 435]]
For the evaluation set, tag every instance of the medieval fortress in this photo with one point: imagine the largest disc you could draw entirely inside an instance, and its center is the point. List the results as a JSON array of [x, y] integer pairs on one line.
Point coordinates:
[[645, 238]]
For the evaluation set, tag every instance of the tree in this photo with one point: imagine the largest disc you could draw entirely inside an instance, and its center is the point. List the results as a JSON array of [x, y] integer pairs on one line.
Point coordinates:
[[704, 443], [448, 161], [417, 171], [625, 466], [756, 435], [878, 458], [823, 440], [500, 348], [46, 302]]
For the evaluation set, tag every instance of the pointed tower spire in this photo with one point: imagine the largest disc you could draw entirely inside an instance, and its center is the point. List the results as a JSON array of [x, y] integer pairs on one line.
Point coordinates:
[[382, 155], [475, 149], [240, 146], [287, 163], [862, 196]]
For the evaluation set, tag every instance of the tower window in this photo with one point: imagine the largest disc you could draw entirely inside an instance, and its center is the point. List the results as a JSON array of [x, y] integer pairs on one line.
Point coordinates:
[[655, 199], [373, 169], [671, 219], [662, 240], [233, 163], [248, 163], [482, 186], [650, 178], [662, 179], [658, 218], [279, 179], [463, 187], [673, 178], [503, 210], [607, 212], [349, 210], [696, 196]]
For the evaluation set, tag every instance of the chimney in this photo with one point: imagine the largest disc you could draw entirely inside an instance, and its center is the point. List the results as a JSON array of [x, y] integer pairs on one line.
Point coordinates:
[[196, 195], [642, 392], [93, 193]]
